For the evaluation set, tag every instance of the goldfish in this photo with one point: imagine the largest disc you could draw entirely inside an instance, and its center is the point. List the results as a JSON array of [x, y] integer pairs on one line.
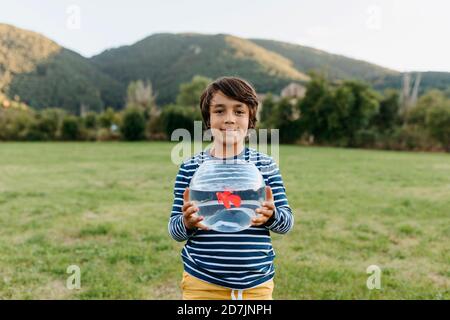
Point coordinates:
[[226, 197]]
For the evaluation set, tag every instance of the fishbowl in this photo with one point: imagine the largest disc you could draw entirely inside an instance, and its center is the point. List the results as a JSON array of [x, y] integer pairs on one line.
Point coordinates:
[[227, 193]]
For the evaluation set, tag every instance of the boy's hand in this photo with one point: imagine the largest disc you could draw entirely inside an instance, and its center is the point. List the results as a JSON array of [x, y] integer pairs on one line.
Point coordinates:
[[266, 211], [190, 219]]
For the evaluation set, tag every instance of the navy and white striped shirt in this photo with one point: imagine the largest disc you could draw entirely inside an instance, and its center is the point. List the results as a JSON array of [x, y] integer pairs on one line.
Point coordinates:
[[240, 260]]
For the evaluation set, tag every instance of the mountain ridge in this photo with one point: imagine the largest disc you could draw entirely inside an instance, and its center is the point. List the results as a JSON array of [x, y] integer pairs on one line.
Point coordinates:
[[45, 74]]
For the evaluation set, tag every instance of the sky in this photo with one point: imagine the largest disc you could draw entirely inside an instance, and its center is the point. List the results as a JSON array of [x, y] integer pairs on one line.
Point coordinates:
[[404, 35]]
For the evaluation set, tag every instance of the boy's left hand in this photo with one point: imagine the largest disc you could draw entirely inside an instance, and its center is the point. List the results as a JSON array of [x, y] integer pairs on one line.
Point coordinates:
[[266, 211]]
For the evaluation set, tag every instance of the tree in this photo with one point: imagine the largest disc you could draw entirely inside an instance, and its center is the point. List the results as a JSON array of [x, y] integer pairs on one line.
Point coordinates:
[[267, 112], [315, 107], [388, 115], [431, 99], [355, 104], [140, 95], [336, 114], [189, 93], [284, 120]]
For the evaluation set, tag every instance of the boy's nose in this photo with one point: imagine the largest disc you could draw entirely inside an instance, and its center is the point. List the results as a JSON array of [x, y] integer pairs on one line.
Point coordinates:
[[229, 118]]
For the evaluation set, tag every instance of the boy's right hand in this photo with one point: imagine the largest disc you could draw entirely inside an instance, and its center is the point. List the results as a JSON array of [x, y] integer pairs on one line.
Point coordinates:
[[190, 219]]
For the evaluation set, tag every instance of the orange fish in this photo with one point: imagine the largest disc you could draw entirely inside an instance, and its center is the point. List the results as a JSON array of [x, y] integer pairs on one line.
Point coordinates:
[[226, 197]]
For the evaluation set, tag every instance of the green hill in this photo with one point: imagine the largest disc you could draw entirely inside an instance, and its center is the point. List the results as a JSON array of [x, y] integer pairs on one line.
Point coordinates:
[[45, 74], [171, 59], [335, 66]]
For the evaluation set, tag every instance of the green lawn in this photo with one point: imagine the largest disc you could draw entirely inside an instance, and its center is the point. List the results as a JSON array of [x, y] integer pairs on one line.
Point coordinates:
[[105, 208]]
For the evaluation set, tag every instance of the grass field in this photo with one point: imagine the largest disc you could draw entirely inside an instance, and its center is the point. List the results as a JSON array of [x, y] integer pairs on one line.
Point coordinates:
[[105, 208]]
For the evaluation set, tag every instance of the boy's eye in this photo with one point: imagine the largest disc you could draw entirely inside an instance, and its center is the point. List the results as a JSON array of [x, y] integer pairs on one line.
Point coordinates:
[[239, 112]]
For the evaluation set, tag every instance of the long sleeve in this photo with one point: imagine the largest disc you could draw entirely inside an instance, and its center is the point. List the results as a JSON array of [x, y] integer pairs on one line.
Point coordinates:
[[176, 226], [283, 220]]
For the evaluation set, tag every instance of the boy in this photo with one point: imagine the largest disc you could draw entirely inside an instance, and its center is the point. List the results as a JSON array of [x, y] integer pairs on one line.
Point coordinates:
[[229, 265]]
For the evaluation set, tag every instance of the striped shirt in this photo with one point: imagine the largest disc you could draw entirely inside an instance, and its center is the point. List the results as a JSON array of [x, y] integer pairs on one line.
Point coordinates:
[[240, 260]]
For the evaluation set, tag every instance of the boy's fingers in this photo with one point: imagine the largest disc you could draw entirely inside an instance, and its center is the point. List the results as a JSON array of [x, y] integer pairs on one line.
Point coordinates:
[[269, 195], [269, 205], [190, 211], [186, 195], [186, 206], [201, 225], [196, 220], [265, 212], [258, 221]]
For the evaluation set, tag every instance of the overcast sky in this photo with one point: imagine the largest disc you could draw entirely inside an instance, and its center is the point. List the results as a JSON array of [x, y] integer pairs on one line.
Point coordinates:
[[405, 35]]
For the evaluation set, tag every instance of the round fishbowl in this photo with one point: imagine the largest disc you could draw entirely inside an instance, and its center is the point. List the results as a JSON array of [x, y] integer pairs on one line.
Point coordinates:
[[227, 193]]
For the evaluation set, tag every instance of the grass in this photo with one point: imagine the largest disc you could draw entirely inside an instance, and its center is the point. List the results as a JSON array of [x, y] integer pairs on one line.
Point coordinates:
[[105, 207]]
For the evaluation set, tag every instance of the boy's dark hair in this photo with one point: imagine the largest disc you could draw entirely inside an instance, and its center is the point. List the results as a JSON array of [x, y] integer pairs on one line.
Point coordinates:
[[234, 88]]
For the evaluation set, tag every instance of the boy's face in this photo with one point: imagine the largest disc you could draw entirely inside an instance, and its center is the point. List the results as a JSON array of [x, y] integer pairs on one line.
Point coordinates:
[[228, 118]]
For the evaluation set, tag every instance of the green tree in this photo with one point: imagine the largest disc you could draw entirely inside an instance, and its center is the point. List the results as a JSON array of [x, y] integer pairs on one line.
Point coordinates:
[[355, 105], [336, 114], [315, 108], [189, 93], [284, 119], [267, 112], [388, 115], [431, 99]]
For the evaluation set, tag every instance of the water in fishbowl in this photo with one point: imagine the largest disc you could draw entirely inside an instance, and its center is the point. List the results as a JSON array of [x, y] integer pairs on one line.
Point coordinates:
[[228, 211]]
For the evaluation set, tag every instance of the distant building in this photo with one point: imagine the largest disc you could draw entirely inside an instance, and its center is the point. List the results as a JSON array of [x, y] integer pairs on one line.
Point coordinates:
[[293, 90]]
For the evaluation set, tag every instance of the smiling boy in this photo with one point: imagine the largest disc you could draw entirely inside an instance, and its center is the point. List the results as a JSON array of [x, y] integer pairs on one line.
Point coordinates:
[[229, 265]]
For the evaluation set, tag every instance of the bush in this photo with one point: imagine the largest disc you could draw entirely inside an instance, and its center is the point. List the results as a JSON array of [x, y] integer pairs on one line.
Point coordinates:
[[104, 134], [155, 129], [107, 118], [133, 126], [15, 124], [90, 120], [417, 115], [438, 124], [409, 137], [70, 129], [47, 125], [366, 138], [178, 117]]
